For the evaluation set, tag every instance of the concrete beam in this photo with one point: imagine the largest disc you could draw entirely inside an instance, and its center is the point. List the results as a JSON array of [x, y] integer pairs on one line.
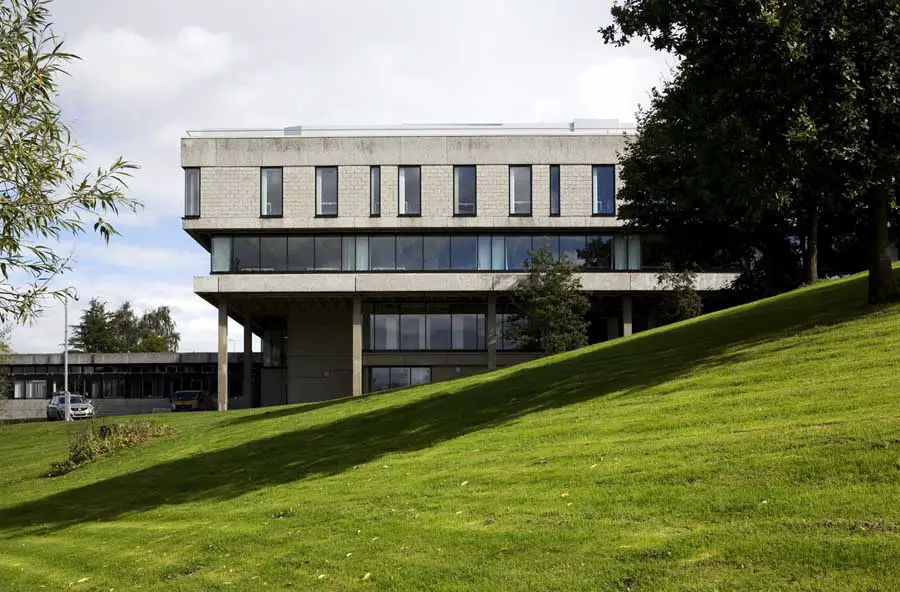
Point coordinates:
[[223, 357]]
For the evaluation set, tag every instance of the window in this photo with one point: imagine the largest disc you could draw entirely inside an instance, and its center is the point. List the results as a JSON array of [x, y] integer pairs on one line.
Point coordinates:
[[381, 253], [517, 250], [604, 190], [270, 192], [498, 253], [300, 253], [627, 252], [348, 253], [362, 253], [419, 376], [409, 191], [597, 253], [246, 253], [572, 248], [273, 253], [328, 253], [520, 191], [467, 331], [379, 379], [326, 191], [437, 253], [412, 329], [484, 253], [551, 242], [464, 187], [439, 328], [464, 253], [273, 348], [191, 193], [375, 191], [386, 332], [221, 254], [554, 190], [409, 253]]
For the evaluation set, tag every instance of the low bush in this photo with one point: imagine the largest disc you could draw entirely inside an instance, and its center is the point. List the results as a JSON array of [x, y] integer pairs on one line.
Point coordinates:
[[103, 439]]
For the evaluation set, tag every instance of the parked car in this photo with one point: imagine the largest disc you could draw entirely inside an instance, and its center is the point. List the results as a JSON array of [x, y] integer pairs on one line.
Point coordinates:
[[81, 408], [193, 401]]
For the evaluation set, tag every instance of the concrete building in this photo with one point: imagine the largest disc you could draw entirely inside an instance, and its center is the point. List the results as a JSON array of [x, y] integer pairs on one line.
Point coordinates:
[[369, 258]]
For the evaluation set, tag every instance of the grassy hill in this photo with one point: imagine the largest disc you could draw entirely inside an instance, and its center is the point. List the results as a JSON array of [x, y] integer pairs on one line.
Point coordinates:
[[753, 449]]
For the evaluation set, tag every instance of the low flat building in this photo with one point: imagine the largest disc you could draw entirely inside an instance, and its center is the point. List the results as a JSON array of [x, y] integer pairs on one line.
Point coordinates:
[[376, 257]]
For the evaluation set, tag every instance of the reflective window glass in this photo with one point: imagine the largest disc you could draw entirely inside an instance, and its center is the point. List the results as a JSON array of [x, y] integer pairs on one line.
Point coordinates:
[[439, 331], [437, 253], [326, 191], [412, 332], [381, 253], [300, 253], [399, 377], [328, 253], [517, 250], [604, 181], [245, 251], [409, 253], [463, 252], [409, 191], [379, 379], [419, 376], [273, 253], [551, 242], [464, 191], [221, 253], [385, 332], [597, 253], [270, 192], [572, 248]]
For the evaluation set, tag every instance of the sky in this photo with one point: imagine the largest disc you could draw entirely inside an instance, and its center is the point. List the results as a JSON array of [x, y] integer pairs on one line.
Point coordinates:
[[151, 70]]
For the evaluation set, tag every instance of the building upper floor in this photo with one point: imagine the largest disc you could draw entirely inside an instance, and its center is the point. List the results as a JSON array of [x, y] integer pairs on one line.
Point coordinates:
[[448, 177]]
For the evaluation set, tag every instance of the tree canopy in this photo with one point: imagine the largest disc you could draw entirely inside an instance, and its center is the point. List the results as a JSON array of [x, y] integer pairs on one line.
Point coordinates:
[[43, 193], [121, 330], [777, 111]]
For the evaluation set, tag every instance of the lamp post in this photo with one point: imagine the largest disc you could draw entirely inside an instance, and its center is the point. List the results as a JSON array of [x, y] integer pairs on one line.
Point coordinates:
[[66, 357]]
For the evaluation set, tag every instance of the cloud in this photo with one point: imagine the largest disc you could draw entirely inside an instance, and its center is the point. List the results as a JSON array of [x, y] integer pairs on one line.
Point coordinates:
[[121, 66]]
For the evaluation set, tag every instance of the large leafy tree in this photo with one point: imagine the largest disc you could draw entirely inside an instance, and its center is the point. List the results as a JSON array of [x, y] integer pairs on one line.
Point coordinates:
[[43, 196], [122, 330], [552, 309], [777, 109]]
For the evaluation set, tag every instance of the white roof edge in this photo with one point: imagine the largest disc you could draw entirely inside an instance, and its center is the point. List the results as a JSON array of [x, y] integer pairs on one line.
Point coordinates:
[[575, 127]]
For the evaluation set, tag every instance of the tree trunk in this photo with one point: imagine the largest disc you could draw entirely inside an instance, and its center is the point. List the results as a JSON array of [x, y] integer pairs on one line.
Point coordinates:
[[882, 286], [811, 252]]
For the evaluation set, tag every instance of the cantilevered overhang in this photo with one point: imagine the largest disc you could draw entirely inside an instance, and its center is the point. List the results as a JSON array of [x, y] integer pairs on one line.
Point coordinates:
[[346, 284]]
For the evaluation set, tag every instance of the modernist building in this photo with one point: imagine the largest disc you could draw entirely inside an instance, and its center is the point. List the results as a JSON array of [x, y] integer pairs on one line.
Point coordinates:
[[369, 258]]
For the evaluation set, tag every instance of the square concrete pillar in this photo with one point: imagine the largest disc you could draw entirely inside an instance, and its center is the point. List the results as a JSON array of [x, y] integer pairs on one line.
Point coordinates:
[[223, 357], [626, 315], [357, 348], [247, 387], [491, 331], [612, 327]]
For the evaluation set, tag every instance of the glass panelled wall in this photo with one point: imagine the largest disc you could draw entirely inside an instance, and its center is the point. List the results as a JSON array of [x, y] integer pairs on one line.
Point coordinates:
[[418, 253]]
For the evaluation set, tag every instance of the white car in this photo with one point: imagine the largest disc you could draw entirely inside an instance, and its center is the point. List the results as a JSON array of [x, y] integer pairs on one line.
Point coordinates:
[[81, 408]]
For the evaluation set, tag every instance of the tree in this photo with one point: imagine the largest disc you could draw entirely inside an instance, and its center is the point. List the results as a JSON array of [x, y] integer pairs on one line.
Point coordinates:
[[680, 300], [777, 109], [551, 306], [43, 196], [122, 330], [5, 350]]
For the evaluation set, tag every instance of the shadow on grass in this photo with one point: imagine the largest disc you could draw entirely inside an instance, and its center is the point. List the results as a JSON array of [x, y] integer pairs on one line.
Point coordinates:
[[624, 366]]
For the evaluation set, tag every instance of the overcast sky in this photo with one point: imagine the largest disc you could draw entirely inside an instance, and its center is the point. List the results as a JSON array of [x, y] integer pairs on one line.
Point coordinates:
[[151, 70]]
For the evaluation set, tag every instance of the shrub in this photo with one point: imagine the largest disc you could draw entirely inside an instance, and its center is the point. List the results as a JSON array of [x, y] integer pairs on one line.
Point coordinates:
[[100, 440]]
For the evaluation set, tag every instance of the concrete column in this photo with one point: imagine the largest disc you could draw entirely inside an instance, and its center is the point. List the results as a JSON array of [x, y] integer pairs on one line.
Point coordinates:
[[612, 327], [491, 331], [626, 315], [357, 347], [247, 387], [223, 356]]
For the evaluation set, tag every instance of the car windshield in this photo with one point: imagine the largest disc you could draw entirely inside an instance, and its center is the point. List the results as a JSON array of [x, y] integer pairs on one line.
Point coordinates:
[[186, 395], [73, 399]]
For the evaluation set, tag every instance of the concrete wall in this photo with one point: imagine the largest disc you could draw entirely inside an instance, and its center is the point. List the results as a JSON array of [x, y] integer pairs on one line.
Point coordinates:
[[403, 283], [230, 179], [37, 408], [319, 352]]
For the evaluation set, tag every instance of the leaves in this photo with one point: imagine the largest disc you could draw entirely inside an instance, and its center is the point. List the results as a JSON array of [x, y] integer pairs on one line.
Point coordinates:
[[119, 331], [42, 194]]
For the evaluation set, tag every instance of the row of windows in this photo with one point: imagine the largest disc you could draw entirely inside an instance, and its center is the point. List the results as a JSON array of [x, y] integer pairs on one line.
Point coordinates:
[[413, 253], [409, 191], [383, 378]]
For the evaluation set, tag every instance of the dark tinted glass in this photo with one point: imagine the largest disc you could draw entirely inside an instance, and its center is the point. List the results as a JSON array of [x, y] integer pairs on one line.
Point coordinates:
[[246, 253], [439, 332], [412, 332], [300, 253], [464, 252], [572, 248], [597, 252], [328, 253], [399, 377], [381, 253], [551, 242], [379, 379], [464, 180], [517, 249], [327, 191], [554, 190], [273, 253], [409, 253], [437, 252], [604, 189]]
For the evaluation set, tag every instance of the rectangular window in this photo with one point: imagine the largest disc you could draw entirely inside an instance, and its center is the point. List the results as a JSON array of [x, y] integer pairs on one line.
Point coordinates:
[[381, 253], [484, 253], [375, 191], [439, 329], [379, 379], [412, 332], [519, 190], [221, 254], [467, 331], [191, 193], [326, 192], [273, 253], [554, 190], [598, 253], [419, 376], [409, 191], [245, 252], [463, 253], [399, 377], [620, 252], [300, 253], [362, 253], [464, 191], [385, 332], [572, 248], [498, 253], [409, 253], [437, 253], [517, 252], [551, 242], [328, 253], [604, 190], [270, 192]]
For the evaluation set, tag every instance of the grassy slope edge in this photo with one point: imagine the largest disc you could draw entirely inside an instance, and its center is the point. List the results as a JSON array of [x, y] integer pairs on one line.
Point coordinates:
[[752, 449]]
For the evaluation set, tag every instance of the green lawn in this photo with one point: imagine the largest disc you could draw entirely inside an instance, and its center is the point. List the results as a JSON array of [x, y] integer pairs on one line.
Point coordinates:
[[753, 449]]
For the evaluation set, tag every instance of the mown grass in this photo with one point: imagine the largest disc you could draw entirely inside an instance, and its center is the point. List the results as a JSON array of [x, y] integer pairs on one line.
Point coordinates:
[[753, 449]]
